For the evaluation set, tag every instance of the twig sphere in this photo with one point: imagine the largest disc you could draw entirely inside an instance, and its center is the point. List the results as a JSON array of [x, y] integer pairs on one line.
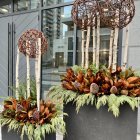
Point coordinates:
[[27, 43], [116, 13], [84, 13]]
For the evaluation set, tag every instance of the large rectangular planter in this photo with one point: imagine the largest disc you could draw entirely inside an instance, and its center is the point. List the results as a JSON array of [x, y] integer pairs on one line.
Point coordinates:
[[13, 135], [93, 124]]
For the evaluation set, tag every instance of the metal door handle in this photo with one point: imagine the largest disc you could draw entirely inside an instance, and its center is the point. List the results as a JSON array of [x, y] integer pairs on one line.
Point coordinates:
[[9, 57], [13, 53]]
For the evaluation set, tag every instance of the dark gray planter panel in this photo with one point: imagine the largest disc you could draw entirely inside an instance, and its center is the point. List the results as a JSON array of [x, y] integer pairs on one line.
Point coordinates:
[[13, 135], [92, 124]]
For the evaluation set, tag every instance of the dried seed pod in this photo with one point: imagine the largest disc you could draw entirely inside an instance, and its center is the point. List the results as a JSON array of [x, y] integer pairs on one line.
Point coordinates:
[[113, 90], [94, 88]]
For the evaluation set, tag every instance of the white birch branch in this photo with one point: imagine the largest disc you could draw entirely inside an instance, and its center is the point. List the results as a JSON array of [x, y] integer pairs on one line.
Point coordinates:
[[94, 44], [115, 44], [111, 48], [115, 49], [87, 47], [17, 73], [83, 44], [28, 70], [38, 74], [98, 42], [36, 71], [126, 48]]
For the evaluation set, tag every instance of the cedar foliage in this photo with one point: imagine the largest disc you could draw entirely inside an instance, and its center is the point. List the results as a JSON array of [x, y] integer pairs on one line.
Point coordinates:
[[33, 131], [112, 101]]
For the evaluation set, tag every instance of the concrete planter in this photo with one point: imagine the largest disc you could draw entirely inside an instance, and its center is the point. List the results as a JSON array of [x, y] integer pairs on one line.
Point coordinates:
[[13, 135], [93, 124]]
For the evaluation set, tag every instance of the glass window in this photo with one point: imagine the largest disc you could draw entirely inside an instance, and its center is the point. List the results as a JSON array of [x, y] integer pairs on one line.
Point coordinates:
[[58, 29], [70, 59], [21, 5], [34, 4], [5, 7], [51, 2], [70, 43], [104, 49]]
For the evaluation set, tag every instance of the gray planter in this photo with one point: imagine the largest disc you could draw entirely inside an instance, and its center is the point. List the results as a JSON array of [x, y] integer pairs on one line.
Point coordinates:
[[92, 124], [13, 135]]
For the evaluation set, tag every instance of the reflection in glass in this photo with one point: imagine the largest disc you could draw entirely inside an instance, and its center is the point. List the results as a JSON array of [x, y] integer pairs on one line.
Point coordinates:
[[104, 49], [58, 29], [51, 2], [5, 7], [34, 4], [21, 5]]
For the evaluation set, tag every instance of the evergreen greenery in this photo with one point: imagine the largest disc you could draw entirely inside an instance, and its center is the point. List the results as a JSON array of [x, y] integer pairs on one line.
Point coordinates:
[[22, 89], [34, 132], [112, 101], [61, 94]]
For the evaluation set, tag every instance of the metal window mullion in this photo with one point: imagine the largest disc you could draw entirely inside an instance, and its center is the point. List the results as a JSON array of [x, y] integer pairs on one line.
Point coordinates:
[[74, 44]]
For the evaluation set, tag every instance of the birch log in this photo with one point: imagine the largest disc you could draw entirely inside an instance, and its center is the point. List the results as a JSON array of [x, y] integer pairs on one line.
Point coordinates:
[[115, 48], [126, 48], [87, 47], [36, 70], [17, 73], [98, 42], [94, 44], [39, 74], [28, 70], [110, 48], [83, 44], [115, 43]]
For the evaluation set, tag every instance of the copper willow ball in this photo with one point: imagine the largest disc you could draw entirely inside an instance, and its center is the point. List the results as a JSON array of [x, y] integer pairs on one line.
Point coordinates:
[[84, 13], [27, 43], [116, 13]]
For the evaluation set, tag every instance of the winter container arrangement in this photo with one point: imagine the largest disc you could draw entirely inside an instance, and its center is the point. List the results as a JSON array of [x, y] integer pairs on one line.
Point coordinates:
[[25, 113], [89, 86]]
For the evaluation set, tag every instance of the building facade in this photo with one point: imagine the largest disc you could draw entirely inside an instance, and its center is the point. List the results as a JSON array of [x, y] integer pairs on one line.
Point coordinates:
[[53, 17]]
